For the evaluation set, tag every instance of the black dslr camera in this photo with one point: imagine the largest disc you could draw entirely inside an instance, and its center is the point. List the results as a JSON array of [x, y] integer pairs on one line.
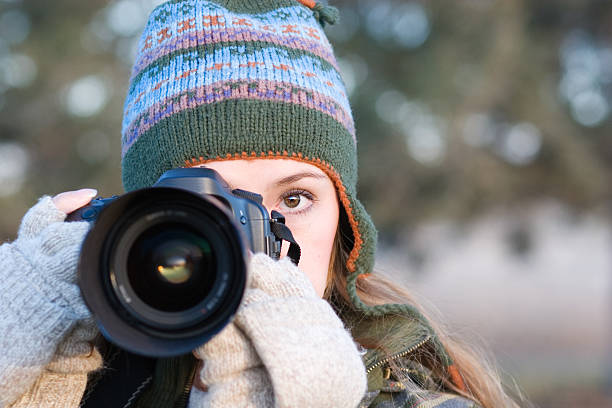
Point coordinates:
[[163, 269]]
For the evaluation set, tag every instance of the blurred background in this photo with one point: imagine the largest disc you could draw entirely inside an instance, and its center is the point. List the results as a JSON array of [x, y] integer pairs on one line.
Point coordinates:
[[485, 149]]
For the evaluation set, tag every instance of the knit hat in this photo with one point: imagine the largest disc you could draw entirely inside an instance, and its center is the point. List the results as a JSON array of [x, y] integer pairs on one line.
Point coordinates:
[[250, 79]]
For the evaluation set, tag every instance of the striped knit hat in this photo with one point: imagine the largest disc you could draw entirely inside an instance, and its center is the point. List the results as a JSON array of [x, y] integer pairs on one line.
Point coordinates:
[[230, 79]]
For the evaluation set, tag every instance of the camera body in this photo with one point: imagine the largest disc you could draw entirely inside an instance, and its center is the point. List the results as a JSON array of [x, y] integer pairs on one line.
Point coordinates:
[[163, 269], [252, 217]]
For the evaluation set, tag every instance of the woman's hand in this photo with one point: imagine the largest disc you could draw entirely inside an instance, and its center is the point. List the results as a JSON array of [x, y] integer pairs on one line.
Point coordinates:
[[286, 348], [45, 325], [47, 251]]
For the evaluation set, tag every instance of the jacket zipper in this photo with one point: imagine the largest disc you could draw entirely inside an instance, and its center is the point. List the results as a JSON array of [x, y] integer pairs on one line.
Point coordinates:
[[398, 355], [184, 398]]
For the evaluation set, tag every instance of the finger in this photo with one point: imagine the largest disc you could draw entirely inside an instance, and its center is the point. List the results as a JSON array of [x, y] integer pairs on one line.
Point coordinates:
[[70, 201], [39, 217]]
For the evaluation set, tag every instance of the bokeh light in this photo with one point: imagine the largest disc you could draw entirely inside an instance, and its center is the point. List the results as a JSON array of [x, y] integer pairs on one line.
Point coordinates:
[[101, 32], [394, 107], [410, 25], [520, 143], [589, 107], [587, 73], [426, 140], [403, 24], [15, 161], [17, 70], [125, 17], [86, 96], [389, 106], [424, 133]]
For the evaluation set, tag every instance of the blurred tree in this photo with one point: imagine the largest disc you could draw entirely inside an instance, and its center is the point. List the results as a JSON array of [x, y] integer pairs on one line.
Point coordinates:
[[459, 106], [473, 116]]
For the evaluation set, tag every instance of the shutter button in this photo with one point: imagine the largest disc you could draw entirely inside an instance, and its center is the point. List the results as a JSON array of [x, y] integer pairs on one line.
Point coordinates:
[[89, 214]]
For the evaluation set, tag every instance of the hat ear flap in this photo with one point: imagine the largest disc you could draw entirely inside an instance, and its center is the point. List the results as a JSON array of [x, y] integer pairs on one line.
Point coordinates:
[[359, 235]]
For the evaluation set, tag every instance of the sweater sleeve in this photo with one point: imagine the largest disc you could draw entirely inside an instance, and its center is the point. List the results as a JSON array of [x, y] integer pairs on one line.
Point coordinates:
[[41, 303], [294, 349]]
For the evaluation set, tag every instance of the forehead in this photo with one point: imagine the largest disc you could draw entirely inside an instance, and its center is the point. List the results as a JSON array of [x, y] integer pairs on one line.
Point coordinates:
[[261, 173]]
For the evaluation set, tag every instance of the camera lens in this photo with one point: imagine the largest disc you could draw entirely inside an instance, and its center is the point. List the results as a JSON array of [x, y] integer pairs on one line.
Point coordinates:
[[171, 268], [163, 270]]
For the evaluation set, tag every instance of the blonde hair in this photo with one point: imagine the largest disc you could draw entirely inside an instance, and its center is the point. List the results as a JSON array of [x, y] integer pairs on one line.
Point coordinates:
[[481, 379]]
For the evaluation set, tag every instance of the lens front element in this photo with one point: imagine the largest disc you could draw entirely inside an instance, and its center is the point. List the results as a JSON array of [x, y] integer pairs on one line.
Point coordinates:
[[171, 268]]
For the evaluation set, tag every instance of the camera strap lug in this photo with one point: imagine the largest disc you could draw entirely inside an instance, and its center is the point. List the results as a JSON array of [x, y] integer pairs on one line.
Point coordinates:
[[278, 228]]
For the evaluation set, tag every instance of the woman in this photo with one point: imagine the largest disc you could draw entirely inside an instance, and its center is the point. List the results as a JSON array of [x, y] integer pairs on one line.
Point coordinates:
[[251, 89]]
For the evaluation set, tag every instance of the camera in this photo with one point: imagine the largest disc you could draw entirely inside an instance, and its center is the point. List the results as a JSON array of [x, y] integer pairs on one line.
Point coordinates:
[[163, 269]]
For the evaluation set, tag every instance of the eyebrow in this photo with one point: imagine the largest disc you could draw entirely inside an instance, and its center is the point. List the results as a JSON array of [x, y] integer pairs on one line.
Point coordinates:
[[298, 176]]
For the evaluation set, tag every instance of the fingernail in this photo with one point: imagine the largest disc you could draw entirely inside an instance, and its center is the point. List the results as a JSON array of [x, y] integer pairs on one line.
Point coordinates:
[[91, 192]]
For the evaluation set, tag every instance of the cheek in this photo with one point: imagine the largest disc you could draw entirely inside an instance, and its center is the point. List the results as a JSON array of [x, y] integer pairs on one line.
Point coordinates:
[[316, 245], [316, 241]]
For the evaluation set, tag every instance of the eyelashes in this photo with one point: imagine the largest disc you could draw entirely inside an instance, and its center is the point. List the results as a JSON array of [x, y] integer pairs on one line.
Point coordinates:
[[296, 201]]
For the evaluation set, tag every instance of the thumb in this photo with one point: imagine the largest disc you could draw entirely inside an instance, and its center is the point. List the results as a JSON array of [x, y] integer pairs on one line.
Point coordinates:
[[70, 201]]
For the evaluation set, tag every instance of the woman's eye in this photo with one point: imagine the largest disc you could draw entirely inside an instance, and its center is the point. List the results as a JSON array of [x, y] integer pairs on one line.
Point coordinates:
[[292, 201], [296, 201]]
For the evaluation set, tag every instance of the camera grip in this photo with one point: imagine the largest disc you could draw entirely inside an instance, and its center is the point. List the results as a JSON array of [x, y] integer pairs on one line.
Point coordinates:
[[91, 211]]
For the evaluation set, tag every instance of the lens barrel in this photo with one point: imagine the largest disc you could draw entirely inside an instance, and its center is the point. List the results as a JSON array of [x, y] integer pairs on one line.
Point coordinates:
[[163, 270]]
